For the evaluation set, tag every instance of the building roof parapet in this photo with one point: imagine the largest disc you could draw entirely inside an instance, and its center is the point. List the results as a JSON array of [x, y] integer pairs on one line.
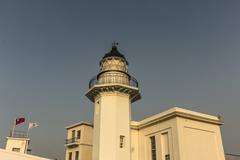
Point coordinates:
[[14, 155], [165, 115], [176, 112], [79, 124]]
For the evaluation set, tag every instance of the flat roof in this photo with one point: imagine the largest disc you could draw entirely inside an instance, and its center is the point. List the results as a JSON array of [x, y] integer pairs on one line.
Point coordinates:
[[177, 112], [79, 124], [162, 116], [10, 155]]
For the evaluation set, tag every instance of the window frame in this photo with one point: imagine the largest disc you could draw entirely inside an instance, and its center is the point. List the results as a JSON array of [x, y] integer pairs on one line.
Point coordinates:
[[73, 133], [153, 147], [79, 134], [122, 141], [14, 149]]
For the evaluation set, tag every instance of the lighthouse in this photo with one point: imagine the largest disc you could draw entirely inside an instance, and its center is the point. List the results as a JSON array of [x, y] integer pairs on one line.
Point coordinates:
[[112, 91]]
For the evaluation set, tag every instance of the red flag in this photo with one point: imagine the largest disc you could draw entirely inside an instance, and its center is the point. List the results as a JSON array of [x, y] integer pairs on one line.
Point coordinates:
[[19, 121]]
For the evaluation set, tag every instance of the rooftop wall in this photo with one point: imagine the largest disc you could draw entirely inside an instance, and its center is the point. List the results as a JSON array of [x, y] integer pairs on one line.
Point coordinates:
[[9, 155], [232, 157]]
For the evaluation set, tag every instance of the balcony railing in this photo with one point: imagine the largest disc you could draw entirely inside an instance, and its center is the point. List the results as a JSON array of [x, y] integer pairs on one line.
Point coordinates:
[[72, 140], [113, 78], [18, 134]]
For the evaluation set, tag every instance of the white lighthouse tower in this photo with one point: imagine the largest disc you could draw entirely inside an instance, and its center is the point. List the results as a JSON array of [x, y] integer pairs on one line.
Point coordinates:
[[112, 91]]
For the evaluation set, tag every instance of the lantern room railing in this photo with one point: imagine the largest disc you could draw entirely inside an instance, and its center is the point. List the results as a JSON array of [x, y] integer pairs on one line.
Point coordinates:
[[113, 78]]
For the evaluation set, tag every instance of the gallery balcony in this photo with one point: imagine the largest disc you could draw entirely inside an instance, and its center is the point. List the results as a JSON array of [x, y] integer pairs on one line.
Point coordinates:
[[113, 78], [114, 81], [72, 142]]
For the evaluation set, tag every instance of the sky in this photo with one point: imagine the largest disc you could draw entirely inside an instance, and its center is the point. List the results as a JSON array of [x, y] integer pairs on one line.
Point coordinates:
[[183, 53]]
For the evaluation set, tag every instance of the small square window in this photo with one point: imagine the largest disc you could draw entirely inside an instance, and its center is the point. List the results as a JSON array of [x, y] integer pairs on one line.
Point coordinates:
[[16, 149], [167, 157]]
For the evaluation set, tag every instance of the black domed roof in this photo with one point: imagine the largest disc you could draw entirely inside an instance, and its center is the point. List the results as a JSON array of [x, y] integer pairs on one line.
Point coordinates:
[[114, 53]]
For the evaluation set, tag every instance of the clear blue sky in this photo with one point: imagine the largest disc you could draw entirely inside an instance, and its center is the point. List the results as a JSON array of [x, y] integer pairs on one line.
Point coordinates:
[[184, 53]]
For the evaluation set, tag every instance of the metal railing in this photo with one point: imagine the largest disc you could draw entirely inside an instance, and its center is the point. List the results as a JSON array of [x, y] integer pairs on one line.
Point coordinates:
[[72, 140], [113, 78], [18, 134]]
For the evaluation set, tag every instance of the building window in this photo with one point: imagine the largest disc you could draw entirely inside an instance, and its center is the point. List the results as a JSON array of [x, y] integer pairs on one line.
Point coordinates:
[[16, 149], [70, 156], [153, 147], [167, 157], [78, 134], [73, 133], [77, 155], [122, 141]]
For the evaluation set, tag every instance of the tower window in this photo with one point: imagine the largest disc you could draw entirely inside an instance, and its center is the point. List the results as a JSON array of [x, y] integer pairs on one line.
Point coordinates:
[[153, 147], [78, 134], [122, 141]]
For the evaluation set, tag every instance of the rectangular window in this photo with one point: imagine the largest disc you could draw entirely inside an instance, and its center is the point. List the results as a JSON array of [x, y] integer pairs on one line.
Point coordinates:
[[122, 141], [16, 149], [70, 156], [79, 134], [77, 155], [73, 133], [153, 147]]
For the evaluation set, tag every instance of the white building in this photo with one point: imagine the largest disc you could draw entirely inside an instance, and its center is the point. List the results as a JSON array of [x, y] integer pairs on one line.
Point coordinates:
[[17, 148], [175, 134], [79, 141], [10, 155], [18, 142]]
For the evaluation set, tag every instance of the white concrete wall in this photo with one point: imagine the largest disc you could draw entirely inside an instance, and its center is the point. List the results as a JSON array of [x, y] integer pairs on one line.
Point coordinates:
[[199, 140], [111, 119], [83, 145], [96, 131], [158, 130], [21, 143], [134, 144], [9, 155], [191, 136]]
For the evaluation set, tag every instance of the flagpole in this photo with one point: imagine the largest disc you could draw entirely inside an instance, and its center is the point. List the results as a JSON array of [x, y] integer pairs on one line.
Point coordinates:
[[28, 130], [13, 127], [30, 126]]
